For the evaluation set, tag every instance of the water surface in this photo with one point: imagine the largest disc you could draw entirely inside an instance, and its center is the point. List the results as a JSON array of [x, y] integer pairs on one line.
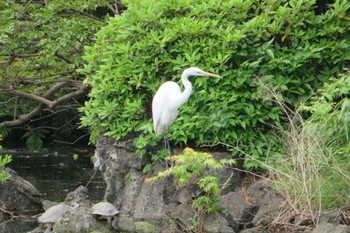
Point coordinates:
[[57, 171]]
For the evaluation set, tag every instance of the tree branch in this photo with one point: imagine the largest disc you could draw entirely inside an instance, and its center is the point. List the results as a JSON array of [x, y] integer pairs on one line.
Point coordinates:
[[22, 118], [31, 96], [62, 57], [25, 55], [44, 101], [55, 88], [81, 91], [90, 16]]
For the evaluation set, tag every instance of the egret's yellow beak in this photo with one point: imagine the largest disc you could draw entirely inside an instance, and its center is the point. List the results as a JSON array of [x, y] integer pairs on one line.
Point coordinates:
[[211, 75]]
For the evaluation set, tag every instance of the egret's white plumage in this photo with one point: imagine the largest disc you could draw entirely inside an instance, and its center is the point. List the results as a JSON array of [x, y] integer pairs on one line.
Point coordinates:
[[169, 98], [165, 106]]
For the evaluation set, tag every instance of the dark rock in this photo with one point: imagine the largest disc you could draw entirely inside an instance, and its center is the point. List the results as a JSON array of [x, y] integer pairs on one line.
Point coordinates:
[[262, 194], [181, 213], [182, 195], [329, 227], [19, 196], [238, 207], [216, 223], [79, 196], [334, 217], [228, 176], [78, 220], [268, 200], [302, 220], [267, 212], [150, 202], [126, 224]]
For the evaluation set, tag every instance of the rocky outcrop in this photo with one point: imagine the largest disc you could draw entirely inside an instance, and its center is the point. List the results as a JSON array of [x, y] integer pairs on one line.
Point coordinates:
[[163, 206], [18, 198]]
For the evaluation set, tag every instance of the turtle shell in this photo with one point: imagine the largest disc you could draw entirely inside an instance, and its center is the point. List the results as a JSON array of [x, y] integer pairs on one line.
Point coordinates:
[[104, 209], [52, 214]]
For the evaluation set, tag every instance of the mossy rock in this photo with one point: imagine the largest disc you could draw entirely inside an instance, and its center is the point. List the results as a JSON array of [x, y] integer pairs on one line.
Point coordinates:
[[145, 227]]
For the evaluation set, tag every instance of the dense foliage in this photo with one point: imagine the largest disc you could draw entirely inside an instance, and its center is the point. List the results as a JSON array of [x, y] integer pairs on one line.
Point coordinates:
[[293, 44], [41, 45]]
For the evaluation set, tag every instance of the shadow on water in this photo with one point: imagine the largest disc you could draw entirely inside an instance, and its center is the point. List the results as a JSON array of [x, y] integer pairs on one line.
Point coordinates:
[[55, 172]]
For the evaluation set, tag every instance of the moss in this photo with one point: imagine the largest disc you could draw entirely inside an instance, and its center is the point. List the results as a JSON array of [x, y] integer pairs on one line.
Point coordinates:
[[145, 227]]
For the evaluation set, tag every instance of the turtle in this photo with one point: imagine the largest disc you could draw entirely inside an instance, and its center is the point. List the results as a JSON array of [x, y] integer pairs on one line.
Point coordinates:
[[106, 210], [52, 215]]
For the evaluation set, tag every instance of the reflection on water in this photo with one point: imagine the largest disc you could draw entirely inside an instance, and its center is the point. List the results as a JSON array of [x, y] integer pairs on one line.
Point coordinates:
[[55, 172]]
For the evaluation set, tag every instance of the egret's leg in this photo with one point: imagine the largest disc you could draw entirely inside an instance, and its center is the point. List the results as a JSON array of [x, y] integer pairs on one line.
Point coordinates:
[[167, 146]]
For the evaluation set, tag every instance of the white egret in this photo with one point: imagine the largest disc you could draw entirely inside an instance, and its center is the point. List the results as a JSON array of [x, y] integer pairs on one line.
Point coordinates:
[[169, 98]]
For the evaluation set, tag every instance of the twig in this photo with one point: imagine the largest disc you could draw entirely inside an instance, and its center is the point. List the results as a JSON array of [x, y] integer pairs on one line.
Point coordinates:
[[8, 101], [62, 57], [93, 175], [15, 109], [71, 143], [226, 183], [90, 16], [12, 216]]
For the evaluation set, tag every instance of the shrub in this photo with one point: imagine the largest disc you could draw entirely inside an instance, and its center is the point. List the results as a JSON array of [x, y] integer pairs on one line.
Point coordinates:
[[286, 42], [202, 168]]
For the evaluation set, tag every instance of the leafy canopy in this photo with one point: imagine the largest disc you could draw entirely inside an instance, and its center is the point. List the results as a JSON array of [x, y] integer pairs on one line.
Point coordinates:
[[288, 43], [41, 45]]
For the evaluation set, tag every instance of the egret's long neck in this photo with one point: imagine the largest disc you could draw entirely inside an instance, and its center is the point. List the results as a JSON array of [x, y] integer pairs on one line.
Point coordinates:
[[187, 92]]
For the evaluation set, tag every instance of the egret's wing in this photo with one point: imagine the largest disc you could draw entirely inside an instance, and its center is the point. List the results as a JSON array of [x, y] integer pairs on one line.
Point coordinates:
[[156, 113], [162, 111]]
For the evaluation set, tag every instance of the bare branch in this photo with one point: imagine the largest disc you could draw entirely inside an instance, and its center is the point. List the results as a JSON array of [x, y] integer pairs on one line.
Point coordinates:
[[25, 55], [32, 97], [22, 118], [70, 96], [88, 15], [56, 87], [71, 143], [62, 57], [52, 104], [44, 101]]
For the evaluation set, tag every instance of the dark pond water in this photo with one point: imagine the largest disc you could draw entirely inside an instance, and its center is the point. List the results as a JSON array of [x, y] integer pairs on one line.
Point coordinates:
[[54, 172]]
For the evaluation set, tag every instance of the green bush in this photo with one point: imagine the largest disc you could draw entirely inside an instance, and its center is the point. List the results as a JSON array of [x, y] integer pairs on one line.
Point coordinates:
[[285, 42], [202, 168]]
